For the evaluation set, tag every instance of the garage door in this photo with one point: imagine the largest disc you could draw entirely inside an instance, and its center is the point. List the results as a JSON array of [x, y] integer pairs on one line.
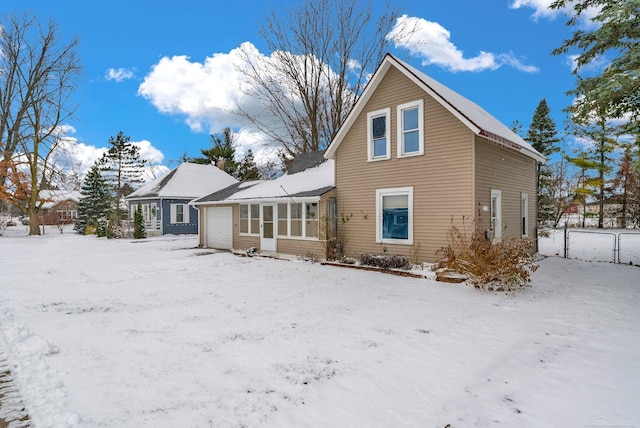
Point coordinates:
[[220, 228]]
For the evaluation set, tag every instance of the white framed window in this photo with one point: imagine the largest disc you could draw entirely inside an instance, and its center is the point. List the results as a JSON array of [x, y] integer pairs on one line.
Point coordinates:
[[283, 219], [411, 129], [524, 206], [179, 213], [378, 134], [496, 213], [250, 219], [394, 215]]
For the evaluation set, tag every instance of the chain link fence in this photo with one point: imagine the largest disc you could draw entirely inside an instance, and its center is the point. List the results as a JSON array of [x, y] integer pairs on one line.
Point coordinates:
[[613, 245]]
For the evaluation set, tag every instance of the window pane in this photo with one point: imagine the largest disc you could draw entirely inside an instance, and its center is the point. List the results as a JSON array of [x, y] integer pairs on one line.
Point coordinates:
[[312, 220], [379, 127], [395, 217], [244, 219], [255, 211], [410, 119], [296, 219], [411, 143], [379, 147], [282, 220]]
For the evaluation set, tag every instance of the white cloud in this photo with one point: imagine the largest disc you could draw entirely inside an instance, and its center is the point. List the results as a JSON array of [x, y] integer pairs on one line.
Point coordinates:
[[208, 94], [119, 74], [542, 10], [431, 42]]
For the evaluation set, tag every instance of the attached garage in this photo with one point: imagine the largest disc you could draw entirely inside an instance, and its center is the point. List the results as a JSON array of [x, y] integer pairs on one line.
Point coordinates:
[[219, 227]]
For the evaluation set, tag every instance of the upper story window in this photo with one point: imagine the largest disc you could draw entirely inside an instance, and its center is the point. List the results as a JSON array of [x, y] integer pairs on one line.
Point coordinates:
[[378, 136], [410, 128]]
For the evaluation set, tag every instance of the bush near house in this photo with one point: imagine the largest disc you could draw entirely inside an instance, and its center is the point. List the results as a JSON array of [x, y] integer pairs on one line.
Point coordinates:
[[385, 261], [504, 265]]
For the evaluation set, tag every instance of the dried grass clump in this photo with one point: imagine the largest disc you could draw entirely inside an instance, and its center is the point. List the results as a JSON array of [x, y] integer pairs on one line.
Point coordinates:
[[504, 265]]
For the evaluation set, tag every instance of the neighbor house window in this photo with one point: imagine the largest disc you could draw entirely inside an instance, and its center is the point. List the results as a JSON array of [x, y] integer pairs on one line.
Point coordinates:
[[250, 218], [525, 214], [378, 136], [394, 215], [179, 213], [283, 219], [410, 128]]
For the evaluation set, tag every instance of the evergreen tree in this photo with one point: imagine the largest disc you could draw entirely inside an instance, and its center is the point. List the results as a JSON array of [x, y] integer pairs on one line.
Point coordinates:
[[615, 37], [247, 169], [123, 165], [139, 231], [222, 149], [627, 187], [95, 202], [543, 137], [598, 157]]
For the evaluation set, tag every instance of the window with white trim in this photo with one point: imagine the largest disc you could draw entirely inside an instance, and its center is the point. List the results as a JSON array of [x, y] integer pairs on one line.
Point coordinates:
[[179, 213], [411, 128], [496, 213], [250, 219], [311, 219], [283, 219], [394, 215], [378, 134], [525, 214]]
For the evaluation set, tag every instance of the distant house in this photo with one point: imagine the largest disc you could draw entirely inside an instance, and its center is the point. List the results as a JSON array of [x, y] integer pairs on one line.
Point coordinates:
[[165, 200], [59, 206], [413, 156], [289, 215]]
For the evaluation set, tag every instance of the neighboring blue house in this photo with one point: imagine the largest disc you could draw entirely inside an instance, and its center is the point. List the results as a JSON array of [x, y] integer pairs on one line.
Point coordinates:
[[165, 200]]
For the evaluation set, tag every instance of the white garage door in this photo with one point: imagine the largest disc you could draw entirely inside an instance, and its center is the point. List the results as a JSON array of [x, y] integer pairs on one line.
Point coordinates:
[[220, 228]]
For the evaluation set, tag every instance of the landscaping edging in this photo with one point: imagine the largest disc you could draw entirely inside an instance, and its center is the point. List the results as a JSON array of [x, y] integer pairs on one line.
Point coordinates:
[[374, 269]]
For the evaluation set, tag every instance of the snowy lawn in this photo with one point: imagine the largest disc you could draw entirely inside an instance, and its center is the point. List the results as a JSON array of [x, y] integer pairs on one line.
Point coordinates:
[[157, 333]]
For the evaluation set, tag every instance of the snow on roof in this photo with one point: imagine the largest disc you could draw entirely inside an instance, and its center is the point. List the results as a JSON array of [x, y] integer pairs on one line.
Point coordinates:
[[52, 197], [189, 180], [314, 181], [303, 183], [475, 117]]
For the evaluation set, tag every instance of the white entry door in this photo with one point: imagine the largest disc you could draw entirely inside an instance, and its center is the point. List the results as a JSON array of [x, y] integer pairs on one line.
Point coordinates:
[[268, 227]]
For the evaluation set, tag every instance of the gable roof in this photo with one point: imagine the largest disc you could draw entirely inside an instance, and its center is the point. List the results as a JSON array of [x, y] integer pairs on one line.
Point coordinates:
[[310, 182], [478, 120], [54, 197], [187, 181]]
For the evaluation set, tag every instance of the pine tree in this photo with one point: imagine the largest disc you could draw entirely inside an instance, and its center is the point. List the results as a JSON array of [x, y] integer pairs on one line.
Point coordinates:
[[222, 149], [247, 169], [139, 231], [123, 165], [95, 202], [598, 158], [543, 137], [627, 184]]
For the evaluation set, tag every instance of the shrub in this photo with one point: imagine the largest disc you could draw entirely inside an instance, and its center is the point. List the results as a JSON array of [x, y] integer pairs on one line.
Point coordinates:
[[504, 265], [385, 261], [139, 230]]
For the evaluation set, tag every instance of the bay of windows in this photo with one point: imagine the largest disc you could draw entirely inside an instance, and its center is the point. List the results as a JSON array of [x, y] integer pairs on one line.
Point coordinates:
[[294, 219]]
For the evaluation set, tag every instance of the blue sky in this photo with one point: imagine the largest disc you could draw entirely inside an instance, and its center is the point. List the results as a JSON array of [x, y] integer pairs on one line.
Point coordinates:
[[160, 71]]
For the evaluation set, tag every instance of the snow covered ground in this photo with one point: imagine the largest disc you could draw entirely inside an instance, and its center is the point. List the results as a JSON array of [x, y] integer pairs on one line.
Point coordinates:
[[158, 333]]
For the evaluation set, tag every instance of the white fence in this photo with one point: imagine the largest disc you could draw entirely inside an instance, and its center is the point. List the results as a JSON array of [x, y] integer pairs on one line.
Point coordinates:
[[603, 245]]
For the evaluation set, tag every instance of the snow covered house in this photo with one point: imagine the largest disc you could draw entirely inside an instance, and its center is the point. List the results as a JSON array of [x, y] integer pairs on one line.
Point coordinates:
[[413, 156], [289, 215], [165, 200], [59, 206]]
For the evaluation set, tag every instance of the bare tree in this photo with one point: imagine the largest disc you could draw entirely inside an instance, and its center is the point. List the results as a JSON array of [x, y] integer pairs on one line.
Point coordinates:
[[322, 55], [37, 77]]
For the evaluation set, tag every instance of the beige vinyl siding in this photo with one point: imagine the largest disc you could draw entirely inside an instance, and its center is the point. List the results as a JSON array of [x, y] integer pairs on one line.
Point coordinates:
[[502, 168], [301, 247], [442, 178]]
